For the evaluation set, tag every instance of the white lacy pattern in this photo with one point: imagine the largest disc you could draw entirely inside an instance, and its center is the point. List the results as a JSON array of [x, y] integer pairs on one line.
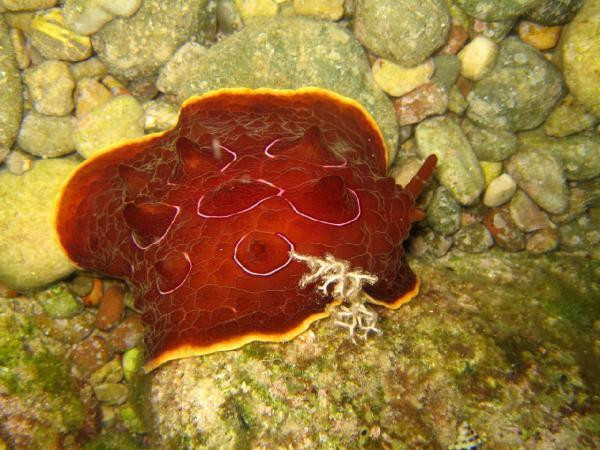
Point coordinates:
[[334, 277]]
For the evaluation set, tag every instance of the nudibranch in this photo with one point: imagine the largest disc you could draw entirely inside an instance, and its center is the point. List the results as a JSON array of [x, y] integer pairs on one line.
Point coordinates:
[[201, 220]]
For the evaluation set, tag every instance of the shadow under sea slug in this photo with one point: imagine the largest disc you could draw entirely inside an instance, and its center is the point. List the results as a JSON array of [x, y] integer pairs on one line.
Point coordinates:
[[213, 223]]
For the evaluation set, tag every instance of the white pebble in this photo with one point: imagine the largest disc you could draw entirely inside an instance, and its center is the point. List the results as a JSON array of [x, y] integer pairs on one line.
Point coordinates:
[[477, 57], [500, 190]]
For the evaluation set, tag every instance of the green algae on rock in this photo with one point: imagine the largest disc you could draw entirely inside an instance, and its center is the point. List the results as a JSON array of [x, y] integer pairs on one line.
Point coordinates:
[[443, 212], [554, 12], [153, 34], [578, 153], [405, 31], [495, 10], [30, 255], [11, 102], [284, 53], [458, 168], [480, 342], [519, 92], [489, 144], [580, 50], [35, 382], [568, 117]]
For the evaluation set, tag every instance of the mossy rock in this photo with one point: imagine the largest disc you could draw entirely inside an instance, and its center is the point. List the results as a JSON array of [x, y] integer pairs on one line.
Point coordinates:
[[30, 254]]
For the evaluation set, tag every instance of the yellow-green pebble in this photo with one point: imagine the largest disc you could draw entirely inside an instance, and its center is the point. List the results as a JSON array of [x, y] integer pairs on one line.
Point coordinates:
[[491, 170], [54, 40], [323, 9], [397, 80], [257, 8], [133, 360]]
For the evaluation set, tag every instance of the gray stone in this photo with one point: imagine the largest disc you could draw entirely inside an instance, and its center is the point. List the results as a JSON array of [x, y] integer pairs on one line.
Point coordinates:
[[458, 168], [139, 45], [47, 136], [489, 144], [540, 175], [267, 53], [405, 31], [50, 86], [495, 10], [118, 120], [519, 92], [473, 238], [30, 254], [526, 214], [447, 70], [554, 12], [443, 212], [580, 50], [579, 153], [11, 103]]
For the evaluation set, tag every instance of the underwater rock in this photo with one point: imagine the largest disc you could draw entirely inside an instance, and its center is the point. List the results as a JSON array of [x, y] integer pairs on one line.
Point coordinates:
[[54, 40], [578, 153], [519, 92], [496, 10], [50, 86], [489, 144], [47, 136], [405, 31], [265, 53], [499, 191], [153, 33], [117, 120], [30, 255], [541, 176], [88, 16], [554, 12], [443, 212], [11, 103], [458, 168], [568, 117], [580, 48]]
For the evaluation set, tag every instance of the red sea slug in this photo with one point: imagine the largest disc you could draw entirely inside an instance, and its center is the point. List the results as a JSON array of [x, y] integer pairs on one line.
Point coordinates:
[[201, 220]]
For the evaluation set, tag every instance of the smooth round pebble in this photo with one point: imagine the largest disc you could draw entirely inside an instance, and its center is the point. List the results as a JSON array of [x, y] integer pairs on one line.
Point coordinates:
[[458, 168], [50, 86], [526, 214], [519, 92], [111, 393], [47, 136], [541, 176], [404, 31], [477, 57], [542, 241], [30, 254], [109, 124], [500, 190], [110, 308], [397, 80], [580, 50]]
